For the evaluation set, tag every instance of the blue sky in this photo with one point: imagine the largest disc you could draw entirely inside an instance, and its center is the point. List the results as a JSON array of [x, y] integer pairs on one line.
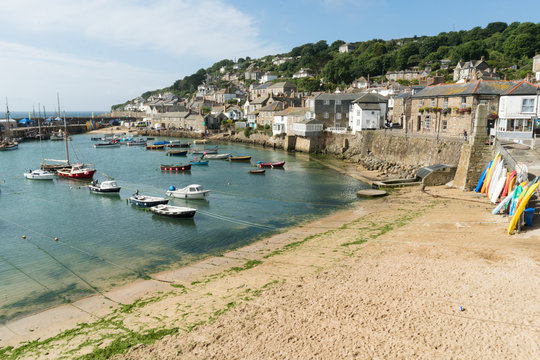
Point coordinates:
[[97, 53]]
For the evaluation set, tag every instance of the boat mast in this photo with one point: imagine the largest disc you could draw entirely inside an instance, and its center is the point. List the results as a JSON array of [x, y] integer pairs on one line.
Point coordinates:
[[65, 128], [8, 132]]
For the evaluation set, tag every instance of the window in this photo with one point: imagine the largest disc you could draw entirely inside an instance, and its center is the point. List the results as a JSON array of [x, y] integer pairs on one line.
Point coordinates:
[[427, 122], [444, 125], [326, 102], [347, 115], [445, 103], [326, 116], [357, 112], [433, 102], [338, 102], [421, 103], [463, 102], [527, 105], [338, 116]]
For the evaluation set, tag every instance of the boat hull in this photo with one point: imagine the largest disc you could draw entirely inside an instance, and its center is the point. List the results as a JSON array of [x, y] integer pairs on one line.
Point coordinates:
[[215, 156], [173, 211], [144, 201], [177, 153], [96, 189], [185, 167], [239, 158], [191, 196], [9, 147], [86, 174], [39, 176], [272, 164]]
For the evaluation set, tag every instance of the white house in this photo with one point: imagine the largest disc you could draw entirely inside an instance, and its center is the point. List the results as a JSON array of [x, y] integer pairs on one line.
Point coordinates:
[[536, 67], [307, 127], [346, 48], [303, 73], [519, 110], [268, 77], [284, 120], [368, 111]]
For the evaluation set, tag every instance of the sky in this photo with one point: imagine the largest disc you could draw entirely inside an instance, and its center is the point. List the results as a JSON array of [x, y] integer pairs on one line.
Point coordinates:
[[98, 53]]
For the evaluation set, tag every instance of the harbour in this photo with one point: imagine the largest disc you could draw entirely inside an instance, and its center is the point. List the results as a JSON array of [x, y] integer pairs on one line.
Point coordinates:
[[103, 241]]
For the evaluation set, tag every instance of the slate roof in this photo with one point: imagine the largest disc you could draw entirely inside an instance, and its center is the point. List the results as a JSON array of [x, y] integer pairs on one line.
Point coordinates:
[[262, 86], [282, 84], [259, 100], [370, 98], [524, 88], [293, 111], [369, 106], [479, 87], [342, 96], [275, 106]]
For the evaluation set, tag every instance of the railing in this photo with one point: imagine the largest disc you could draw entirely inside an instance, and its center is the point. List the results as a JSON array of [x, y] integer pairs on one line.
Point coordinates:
[[336, 129]]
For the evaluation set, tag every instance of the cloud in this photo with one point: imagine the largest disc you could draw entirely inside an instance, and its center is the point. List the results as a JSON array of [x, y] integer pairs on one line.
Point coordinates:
[[34, 75], [204, 28]]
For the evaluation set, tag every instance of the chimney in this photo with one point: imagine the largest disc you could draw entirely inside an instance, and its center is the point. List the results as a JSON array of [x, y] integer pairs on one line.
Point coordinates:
[[482, 58]]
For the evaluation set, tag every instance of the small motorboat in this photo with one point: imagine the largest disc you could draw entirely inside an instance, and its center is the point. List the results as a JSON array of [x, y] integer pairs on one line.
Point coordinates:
[[213, 150], [260, 171], [192, 191], [39, 175], [215, 156], [173, 211], [177, 153], [181, 167], [178, 144], [77, 171], [104, 187], [239, 158], [200, 141], [275, 164], [155, 147], [139, 142], [147, 201], [107, 145], [198, 162]]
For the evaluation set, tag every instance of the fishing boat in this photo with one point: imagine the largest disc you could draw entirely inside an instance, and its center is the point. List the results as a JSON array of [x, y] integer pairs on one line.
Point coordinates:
[[57, 136], [181, 167], [239, 158], [213, 150], [136, 142], [109, 186], [178, 144], [199, 162], [173, 211], [260, 171], [275, 164], [192, 191], [8, 144], [77, 171], [215, 156], [147, 201], [39, 175], [177, 153], [107, 145], [155, 147]]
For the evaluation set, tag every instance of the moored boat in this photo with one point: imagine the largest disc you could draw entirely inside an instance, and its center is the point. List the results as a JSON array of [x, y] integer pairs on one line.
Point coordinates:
[[239, 158], [109, 186], [107, 145], [77, 171], [199, 162], [9, 145], [200, 141], [215, 156], [180, 167], [178, 144], [192, 191], [274, 164], [259, 171], [177, 153], [39, 175], [213, 150], [155, 147], [173, 211], [147, 201]]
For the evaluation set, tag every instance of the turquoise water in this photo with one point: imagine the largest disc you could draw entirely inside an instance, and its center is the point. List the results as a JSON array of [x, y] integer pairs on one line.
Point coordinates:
[[103, 241]]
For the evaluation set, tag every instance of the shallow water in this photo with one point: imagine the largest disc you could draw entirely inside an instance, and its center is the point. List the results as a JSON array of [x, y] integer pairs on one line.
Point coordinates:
[[104, 241]]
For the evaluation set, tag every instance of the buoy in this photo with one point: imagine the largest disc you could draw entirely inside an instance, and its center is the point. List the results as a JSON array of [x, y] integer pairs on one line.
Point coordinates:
[[55, 239], [24, 236]]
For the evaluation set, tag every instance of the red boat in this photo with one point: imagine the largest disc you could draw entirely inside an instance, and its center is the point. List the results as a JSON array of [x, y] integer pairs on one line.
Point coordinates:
[[180, 167], [276, 164], [77, 172]]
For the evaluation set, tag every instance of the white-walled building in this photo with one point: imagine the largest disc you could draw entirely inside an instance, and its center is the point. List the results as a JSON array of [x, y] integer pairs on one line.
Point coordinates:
[[368, 111], [519, 110], [536, 67]]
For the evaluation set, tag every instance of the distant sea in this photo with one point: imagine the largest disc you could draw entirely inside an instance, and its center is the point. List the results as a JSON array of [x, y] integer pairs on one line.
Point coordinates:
[[69, 114]]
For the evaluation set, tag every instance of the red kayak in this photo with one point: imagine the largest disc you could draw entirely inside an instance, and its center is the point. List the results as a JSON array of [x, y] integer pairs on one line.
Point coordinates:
[[277, 164]]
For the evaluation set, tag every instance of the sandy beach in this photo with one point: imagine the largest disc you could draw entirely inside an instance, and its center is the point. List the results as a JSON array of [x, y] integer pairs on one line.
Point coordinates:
[[414, 275]]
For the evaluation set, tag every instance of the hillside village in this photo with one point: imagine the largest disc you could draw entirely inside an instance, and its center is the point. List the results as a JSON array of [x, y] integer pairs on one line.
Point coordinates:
[[431, 107], [431, 86]]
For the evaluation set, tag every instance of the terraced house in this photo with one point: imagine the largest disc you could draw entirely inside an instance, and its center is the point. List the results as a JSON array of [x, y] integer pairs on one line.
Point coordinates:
[[448, 109]]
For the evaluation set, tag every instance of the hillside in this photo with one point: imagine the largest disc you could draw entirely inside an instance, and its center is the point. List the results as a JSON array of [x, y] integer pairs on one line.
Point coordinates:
[[507, 47]]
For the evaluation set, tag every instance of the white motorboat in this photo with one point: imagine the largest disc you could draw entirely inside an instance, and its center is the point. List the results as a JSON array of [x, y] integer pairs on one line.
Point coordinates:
[[104, 187], [192, 191], [147, 201], [39, 175], [173, 211], [215, 156]]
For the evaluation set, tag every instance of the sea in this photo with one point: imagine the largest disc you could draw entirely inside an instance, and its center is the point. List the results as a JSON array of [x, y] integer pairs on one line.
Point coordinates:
[[59, 242]]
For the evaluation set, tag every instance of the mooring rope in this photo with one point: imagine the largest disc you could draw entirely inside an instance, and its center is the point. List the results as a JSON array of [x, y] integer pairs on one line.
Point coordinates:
[[237, 221]]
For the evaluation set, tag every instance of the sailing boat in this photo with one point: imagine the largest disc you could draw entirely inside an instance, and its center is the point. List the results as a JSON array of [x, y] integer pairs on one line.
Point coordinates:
[[39, 174], [76, 171], [7, 144]]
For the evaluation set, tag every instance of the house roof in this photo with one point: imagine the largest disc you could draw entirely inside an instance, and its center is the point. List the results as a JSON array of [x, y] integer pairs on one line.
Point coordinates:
[[523, 88], [275, 106], [282, 84], [260, 100], [369, 106], [479, 87], [342, 96], [370, 98], [262, 86], [293, 111]]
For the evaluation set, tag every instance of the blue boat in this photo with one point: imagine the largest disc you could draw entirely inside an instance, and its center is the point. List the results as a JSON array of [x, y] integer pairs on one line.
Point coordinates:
[[197, 162], [160, 143]]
